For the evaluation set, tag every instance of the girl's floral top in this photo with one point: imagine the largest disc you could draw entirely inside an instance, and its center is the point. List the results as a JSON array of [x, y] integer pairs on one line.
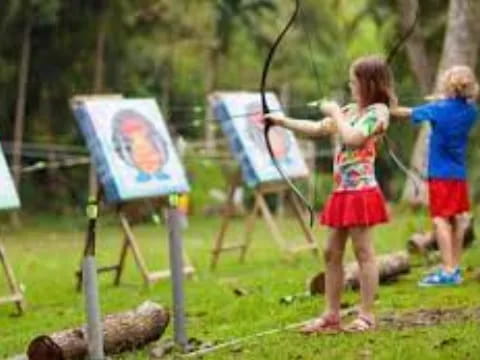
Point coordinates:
[[354, 168]]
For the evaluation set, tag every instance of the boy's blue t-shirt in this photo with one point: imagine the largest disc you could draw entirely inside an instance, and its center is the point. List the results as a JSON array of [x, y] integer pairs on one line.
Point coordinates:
[[451, 121]]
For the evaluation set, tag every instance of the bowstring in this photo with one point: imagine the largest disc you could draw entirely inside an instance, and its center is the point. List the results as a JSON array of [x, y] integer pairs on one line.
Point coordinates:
[[314, 66]]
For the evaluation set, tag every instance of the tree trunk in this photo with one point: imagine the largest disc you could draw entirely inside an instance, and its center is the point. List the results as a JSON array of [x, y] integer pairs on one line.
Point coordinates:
[[99, 79], [420, 63], [122, 332], [98, 82], [211, 86], [168, 74], [460, 48], [414, 191], [461, 44], [390, 267], [20, 108]]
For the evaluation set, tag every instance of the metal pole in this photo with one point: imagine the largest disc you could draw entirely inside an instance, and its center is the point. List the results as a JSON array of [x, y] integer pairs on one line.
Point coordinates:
[[90, 286], [94, 320], [176, 271]]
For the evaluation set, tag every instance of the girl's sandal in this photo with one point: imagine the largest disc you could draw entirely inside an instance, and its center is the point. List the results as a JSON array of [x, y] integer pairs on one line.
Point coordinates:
[[323, 325], [359, 325]]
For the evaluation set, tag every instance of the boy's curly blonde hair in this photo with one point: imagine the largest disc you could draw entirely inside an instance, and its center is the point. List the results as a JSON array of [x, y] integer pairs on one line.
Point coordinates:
[[459, 82]]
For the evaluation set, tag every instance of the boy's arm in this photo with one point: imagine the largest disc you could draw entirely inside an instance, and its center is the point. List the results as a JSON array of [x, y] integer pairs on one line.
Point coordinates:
[[401, 112]]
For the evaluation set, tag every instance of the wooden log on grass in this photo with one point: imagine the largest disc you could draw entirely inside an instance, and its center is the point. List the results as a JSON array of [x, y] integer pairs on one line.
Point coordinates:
[[424, 242], [390, 267], [122, 332]]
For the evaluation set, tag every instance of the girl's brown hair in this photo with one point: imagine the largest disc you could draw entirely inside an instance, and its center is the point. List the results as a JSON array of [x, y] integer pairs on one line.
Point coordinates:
[[459, 82], [375, 81]]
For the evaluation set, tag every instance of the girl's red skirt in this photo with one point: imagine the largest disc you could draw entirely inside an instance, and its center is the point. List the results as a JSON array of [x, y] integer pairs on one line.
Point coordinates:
[[354, 208], [448, 197]]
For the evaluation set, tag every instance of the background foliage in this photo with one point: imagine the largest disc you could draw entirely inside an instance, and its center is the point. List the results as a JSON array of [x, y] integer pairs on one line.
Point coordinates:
[[177, 51]]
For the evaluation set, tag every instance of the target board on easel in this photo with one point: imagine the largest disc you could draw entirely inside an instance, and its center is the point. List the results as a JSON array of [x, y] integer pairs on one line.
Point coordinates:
[[9, 200], [132, 149], [240, 116], [134, 157]]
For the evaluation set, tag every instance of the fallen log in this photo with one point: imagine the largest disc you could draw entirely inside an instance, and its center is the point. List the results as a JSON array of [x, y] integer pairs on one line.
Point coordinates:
[[390, 267], [476, 275], [122, 332], [424, 242]]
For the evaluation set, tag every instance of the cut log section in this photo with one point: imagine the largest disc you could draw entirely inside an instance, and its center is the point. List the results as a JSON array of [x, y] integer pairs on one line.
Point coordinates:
[[122, 332], [476, 275], [422, 243], [390, 267]]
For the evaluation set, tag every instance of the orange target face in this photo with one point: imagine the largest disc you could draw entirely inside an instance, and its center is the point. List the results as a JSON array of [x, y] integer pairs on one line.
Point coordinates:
[[138, 143]]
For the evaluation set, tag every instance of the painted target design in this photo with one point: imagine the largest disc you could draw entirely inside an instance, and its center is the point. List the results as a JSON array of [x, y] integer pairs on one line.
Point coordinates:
[[140, 145], [278, 136]]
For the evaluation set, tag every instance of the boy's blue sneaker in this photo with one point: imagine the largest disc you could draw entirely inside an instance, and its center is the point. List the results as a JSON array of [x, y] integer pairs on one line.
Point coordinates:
[[441, 278], [457, 276]]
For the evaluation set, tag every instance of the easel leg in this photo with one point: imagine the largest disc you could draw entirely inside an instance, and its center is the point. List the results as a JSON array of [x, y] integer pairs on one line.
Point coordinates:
[[11, 281], [188, 268], [267, 215], [79, 272], [121, 261], [217, 248], [249, 225], [218, 244], [305, 228], [132, 243]]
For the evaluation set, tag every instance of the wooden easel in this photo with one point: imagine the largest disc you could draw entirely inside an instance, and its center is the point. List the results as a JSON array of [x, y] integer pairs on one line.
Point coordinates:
[[129, 240], [16, 295], [260, 205], [130, 244]]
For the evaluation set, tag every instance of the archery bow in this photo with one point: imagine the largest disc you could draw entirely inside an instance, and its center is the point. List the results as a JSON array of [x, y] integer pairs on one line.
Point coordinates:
[[266, 110]]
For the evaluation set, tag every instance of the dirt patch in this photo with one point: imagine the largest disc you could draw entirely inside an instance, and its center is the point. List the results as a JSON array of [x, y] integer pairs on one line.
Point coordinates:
[[428, 317]]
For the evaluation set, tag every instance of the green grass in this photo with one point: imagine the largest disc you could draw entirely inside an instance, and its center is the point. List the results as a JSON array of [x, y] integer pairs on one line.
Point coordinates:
[[46, 253]]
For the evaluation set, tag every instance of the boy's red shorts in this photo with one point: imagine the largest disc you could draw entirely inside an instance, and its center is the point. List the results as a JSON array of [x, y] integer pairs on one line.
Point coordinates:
[[448, 197]]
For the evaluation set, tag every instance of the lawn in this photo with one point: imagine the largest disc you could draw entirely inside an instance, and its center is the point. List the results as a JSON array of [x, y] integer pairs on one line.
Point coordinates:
[[46, 252]]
